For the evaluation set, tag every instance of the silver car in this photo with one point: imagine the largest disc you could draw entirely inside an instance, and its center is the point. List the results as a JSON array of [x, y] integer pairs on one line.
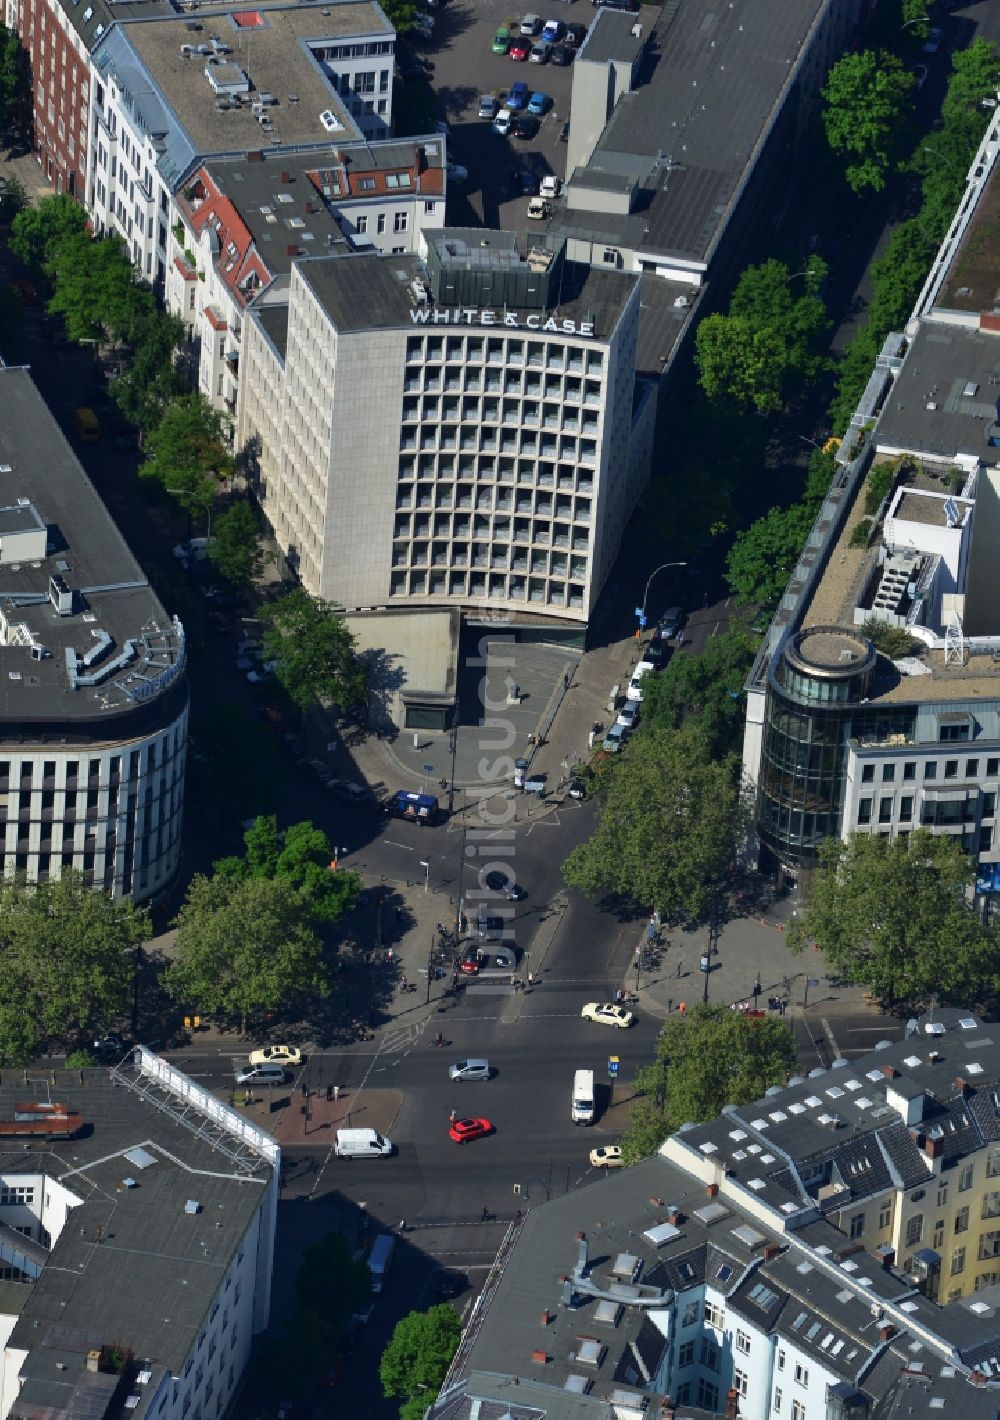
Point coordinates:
[[469, 1070]]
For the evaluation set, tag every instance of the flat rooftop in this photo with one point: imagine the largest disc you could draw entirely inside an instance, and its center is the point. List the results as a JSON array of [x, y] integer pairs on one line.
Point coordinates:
[[943, 402], [270, 49], [715, 79], [367, 291], [133, 1266], [412, 654], [117, 631]]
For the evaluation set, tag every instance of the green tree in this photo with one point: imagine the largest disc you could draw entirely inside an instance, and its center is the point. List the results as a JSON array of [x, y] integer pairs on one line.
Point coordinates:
[[187, 453], [225, 741], [762, 558], [236, 550], [96, 289], [315, 652], [15, 82], [738, 361], [897, 276], [705, 691], [867, 98], [666, 819], [36, 232], [150, 379], [914, 19], [706, 1058], [66, 961], [302, 855], [13, 199], [416, 1360], [400, 14], [765, 298], [244, 946], [895, 917], [331, 1283], [975, 76]]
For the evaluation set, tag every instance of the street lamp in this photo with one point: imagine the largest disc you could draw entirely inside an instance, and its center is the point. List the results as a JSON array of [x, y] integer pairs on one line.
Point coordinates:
[[426, 865], [662, 568]]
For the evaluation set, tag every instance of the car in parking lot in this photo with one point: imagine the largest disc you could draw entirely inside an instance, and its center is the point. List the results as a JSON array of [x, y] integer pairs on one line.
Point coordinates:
[[607, 1014], [629, 715], [670, 623], [525, 126], [318, 769], [539, 104], [276, 1055], [551, 186], [487, 106], [608, 1156], [933, 41], [347, 789], [540, 52], [462, 1130], [552, 30], [577, 789], [501, 40], [520, 49], [501, 124], [530, 25], [562, 54], [614, 739], [517, 99], [576, 34], [539, 210], [527, 180]]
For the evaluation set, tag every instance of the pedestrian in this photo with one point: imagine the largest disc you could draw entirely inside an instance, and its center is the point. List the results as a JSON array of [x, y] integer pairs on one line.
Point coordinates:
[[305, 1090], [402, 1225], [679, 965], [329, 1093], [336, 1092], [486, 1214], [566, 681], [670, 1004], [452, 1117]]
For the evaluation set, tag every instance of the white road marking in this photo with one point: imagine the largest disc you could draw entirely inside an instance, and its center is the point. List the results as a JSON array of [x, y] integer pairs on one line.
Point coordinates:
[[393, 844]]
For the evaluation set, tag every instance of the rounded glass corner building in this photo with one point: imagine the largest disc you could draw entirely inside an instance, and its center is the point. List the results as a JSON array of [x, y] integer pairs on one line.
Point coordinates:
[[819, 683]]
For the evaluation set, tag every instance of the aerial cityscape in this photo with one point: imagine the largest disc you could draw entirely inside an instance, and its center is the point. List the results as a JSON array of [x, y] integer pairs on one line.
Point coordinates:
[[499, 710]]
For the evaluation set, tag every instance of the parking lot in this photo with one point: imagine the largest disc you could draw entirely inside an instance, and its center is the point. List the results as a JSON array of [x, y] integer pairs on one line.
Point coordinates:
[[464, 68]]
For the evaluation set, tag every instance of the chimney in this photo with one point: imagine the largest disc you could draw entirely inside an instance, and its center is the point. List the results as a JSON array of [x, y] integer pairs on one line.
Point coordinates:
[[962, 1086], [93, 1360], [888, 1256], [977, 1378], [540, 1358], [712, 1190], [286, 177], [674, 1216], [933, 1148], [546, 1317], [771, 1251], [732, 1404], [887, 1332], [889, 1071], [656, 1202], [256, 157]]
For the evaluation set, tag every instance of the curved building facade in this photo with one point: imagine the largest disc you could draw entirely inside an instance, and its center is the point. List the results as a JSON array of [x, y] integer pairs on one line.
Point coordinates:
[[817, 686], [93, 694]]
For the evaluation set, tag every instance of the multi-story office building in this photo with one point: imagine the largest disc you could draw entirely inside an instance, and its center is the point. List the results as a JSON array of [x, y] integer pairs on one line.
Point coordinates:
[[93, 697], [840, 739], [828, 1252], [137, 1217], [173, 91], [243, 221], [459, 430]]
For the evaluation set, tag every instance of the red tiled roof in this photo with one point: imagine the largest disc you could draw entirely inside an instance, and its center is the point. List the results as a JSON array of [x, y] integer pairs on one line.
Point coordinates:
[[237, 257], [188, 272]]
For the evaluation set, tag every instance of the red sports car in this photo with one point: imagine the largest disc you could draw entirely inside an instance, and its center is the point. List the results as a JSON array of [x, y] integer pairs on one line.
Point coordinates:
[[465, 1129]]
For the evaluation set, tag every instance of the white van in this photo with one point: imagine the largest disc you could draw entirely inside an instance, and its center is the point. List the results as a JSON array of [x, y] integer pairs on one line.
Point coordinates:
[[380, 1259], [583, 1097], [361, 1144]]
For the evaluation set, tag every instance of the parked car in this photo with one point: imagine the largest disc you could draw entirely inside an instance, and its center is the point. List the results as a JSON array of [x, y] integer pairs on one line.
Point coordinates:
[[607, 1014], [577, 789], [347, 789], [457, 174], [933, 41], [539, 210], [576, 34], [465, 1129], [469, 964], [670, 623], [553, 30], [551, 186], [110, 1046], [628, 715], [501, 124], [614, 739], [265, 672], [277, 1055], [608, 1156], [501, 40], [517, 99], [562, 54], [530, 25], [539, 104], [540, 52], [488, 106], [525, 127], [318, 770], [519, 50], [527, 180]]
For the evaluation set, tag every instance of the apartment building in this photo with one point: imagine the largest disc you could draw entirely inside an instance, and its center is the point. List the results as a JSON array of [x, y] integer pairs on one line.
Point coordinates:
[[243, 221], [137, 1218], [94, 701], [828, 1251], [175, 90], [839, 738], [454, 430]]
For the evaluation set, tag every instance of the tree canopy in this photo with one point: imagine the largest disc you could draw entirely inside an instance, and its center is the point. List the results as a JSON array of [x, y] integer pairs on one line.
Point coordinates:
[[225, 740], [739, 361], [706, 1057], [666, 815], [37, 231], [416, 1360], [331, 1283], [300, 854], [150, 379], [705, 690], [315, 652], [975, 76], [244, 946], [187, 453], [15, 82], [867, 102], [894, 916], [236, 549], [66, 961], [763, 557], [96, 289]]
